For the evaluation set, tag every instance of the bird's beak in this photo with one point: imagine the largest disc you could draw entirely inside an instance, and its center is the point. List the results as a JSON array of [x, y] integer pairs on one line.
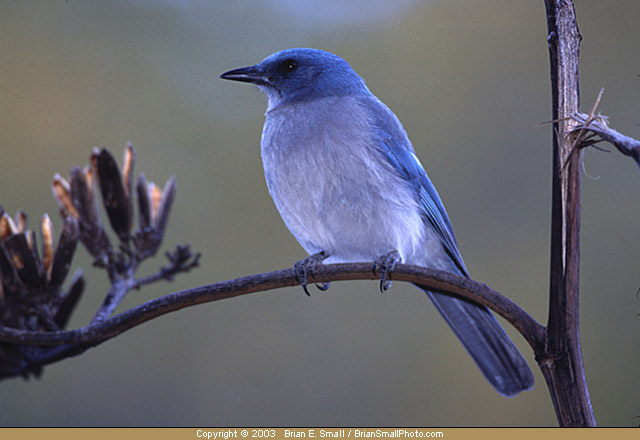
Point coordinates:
[[251, 74]]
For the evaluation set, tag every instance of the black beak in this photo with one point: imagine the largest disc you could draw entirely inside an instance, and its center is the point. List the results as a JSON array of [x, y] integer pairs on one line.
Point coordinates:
[[252, 74]]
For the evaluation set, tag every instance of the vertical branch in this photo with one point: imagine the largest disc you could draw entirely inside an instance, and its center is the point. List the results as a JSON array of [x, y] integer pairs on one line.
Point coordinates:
[[561, 364]]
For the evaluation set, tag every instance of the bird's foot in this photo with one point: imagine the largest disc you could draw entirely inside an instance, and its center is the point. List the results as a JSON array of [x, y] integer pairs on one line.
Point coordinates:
[[305, 267], [385, 266]]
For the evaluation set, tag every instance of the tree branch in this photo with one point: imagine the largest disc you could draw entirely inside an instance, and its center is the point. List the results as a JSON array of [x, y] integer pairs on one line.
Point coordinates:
[[76, 341]]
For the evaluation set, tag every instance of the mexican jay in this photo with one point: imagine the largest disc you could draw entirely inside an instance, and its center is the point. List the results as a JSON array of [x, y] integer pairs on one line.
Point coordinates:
[[347, 183]]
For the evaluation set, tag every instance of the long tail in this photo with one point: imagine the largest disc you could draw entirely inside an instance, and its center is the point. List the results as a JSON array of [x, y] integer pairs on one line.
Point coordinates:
[[487, 343]]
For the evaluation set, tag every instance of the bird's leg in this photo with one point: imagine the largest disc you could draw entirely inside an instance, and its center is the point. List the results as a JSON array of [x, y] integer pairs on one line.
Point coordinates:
[[305, 267], [384, 266]]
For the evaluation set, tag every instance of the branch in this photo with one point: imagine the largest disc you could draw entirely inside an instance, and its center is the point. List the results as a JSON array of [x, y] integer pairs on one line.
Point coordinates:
[[181, 260], [593, 128], [597, 125], [101, 331], [562, 364], [117, 292]]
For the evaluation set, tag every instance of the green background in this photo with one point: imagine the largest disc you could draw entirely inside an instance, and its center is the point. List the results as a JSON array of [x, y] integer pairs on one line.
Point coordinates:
[[469, 80]]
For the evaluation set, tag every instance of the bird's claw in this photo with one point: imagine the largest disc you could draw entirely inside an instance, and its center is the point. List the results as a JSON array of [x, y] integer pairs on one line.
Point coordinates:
[[384, 266], [305, 267]]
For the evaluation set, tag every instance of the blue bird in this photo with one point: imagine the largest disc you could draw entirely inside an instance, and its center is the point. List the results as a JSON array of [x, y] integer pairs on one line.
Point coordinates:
[[347, 183]]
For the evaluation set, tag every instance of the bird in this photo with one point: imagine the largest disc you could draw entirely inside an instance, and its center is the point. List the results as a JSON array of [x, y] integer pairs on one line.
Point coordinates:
[[347, 183]]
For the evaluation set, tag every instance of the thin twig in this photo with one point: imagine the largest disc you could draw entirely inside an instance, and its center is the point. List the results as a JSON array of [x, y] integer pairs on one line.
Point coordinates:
[[592, 129], [598, 126], [117, 292], [182, 260]]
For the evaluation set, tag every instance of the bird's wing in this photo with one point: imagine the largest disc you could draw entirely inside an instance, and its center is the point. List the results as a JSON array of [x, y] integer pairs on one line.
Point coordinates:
[[395, 146], [478, 330]]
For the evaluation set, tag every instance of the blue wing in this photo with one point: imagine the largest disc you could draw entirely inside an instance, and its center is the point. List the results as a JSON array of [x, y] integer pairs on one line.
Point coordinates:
[[397, 149], [478, 330]]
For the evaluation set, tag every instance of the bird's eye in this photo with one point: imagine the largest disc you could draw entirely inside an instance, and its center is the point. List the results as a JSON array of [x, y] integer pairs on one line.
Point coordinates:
[[288, 66]]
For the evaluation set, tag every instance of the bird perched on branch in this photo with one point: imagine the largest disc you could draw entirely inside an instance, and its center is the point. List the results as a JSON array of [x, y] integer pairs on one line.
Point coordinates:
[[347, 183]]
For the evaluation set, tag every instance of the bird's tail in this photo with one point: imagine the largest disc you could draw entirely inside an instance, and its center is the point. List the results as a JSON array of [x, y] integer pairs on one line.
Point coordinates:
[[486, 341]]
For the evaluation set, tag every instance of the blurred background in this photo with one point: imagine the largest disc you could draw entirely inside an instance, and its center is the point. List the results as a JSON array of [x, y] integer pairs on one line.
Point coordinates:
[[469, 80]]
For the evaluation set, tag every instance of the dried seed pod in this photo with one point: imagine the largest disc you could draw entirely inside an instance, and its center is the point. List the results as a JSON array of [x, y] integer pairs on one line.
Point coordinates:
[[162, 214], [24, 261], [21, 221], [128, 163], [47, 244], [144, 203], [94, 159], [84, 199], [30, 236], [64, 252], [154, 205], [90, 224], [155, 196], [114, 196], [62, 193], [32, 242], [7, 226], [8, 275]]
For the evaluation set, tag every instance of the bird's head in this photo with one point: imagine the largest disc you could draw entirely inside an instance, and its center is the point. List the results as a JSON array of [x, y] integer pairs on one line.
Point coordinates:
[[299, 75]]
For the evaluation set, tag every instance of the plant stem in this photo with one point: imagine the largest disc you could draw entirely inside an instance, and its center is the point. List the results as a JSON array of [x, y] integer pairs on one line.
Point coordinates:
[[561, 361]]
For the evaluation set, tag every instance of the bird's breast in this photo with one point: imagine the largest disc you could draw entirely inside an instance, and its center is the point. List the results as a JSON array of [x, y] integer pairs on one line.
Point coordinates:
[[332, 187]]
